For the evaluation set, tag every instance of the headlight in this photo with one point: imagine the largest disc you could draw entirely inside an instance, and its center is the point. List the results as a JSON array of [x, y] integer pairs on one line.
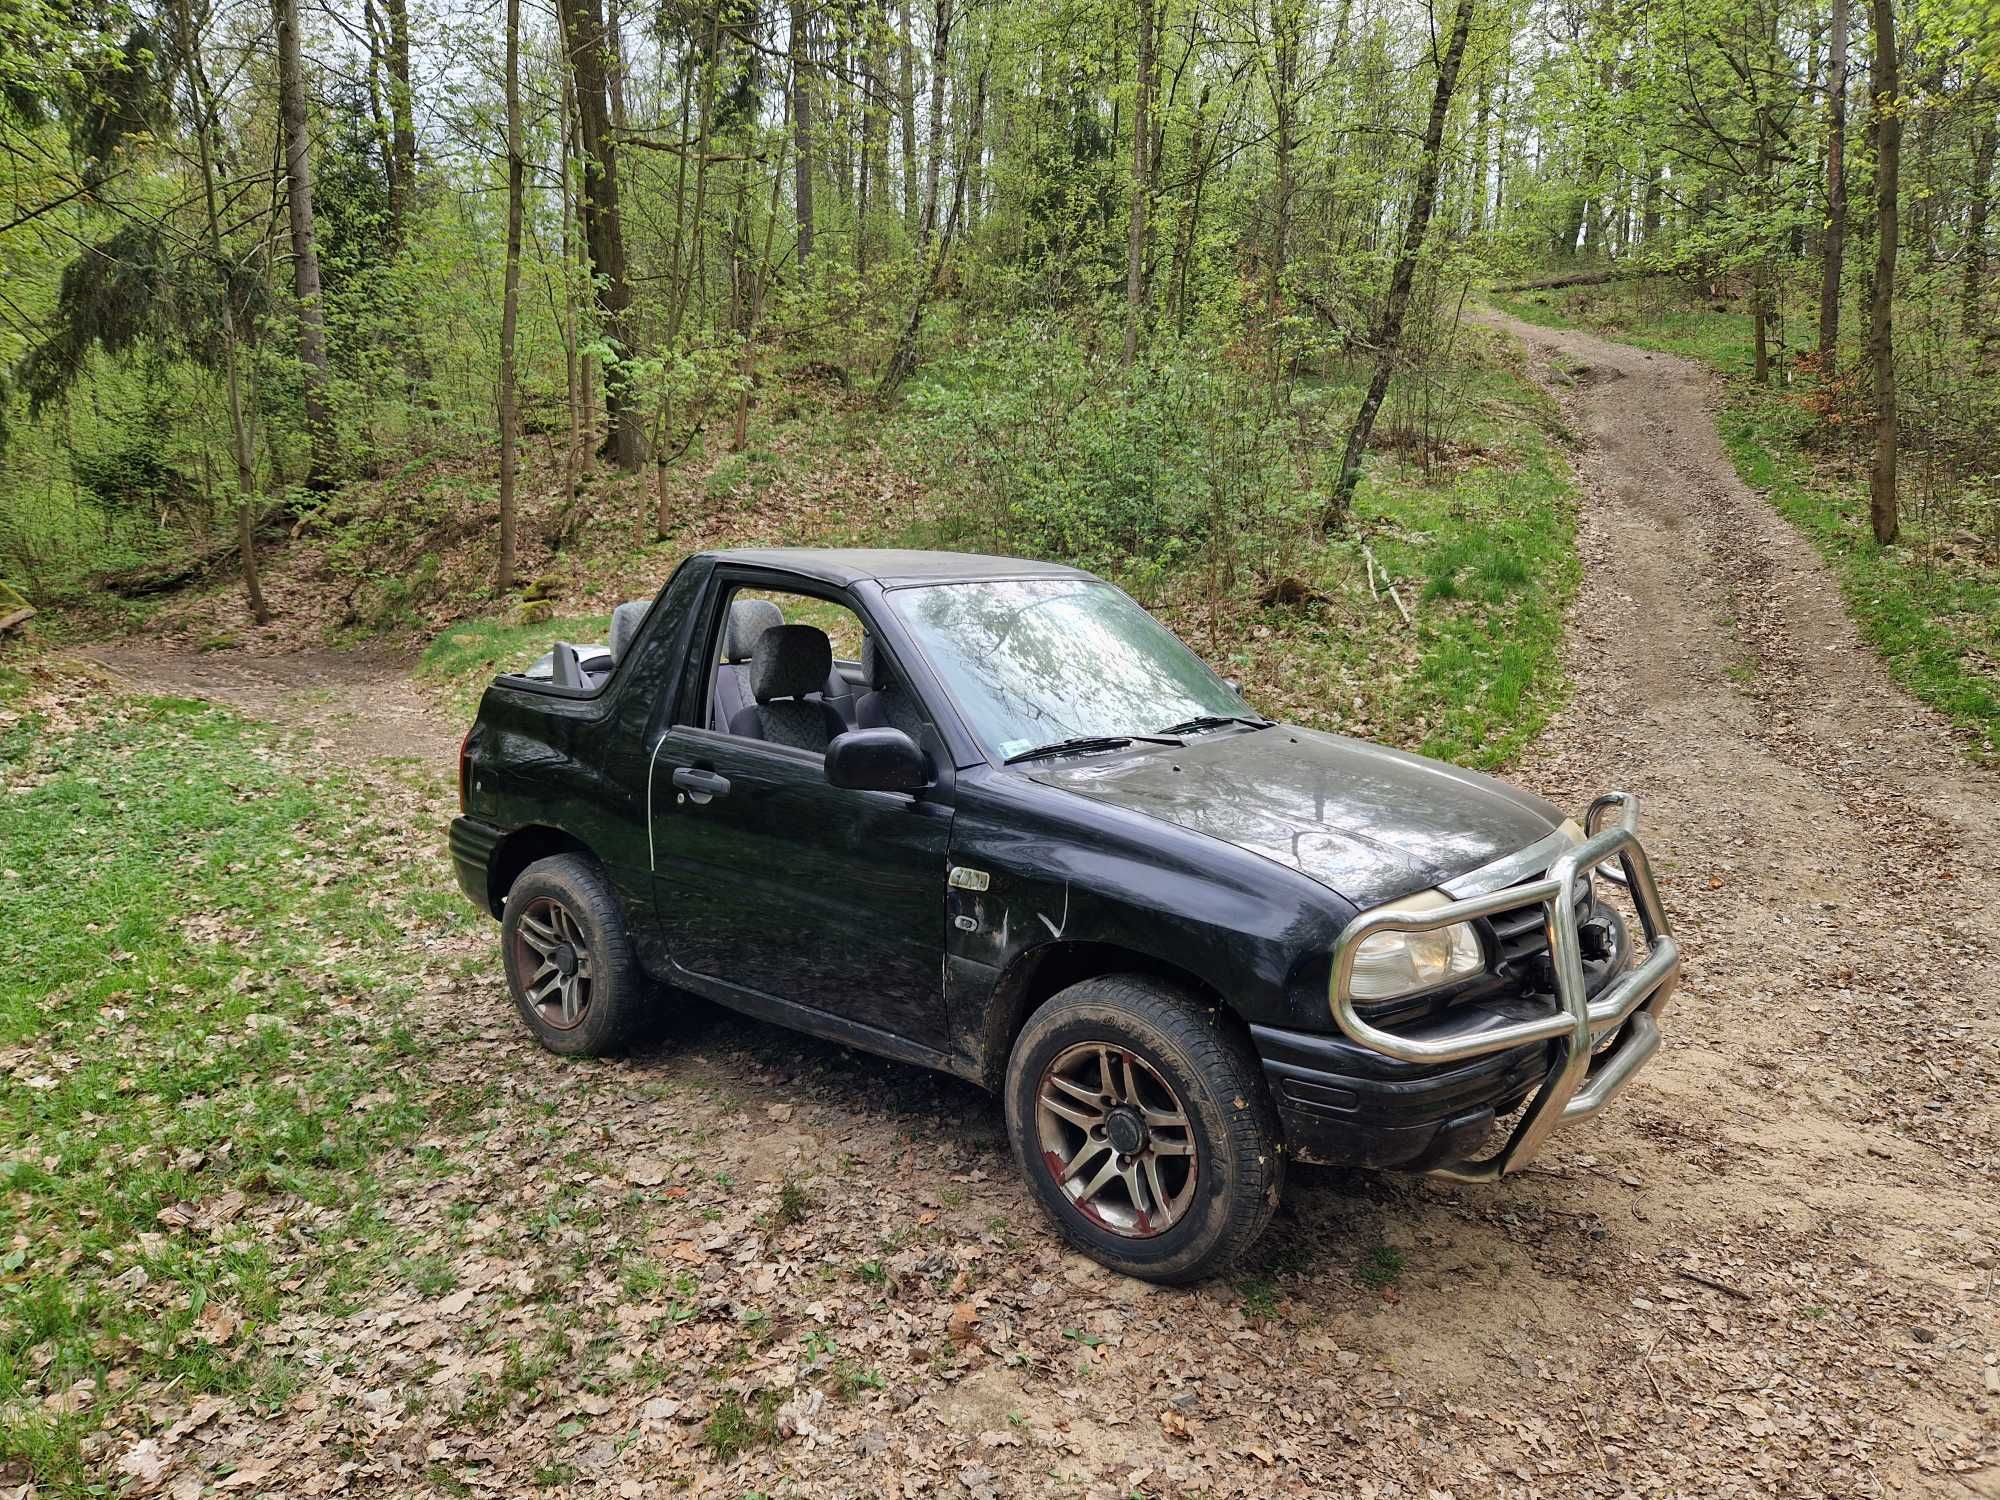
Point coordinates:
[[1392, 964]]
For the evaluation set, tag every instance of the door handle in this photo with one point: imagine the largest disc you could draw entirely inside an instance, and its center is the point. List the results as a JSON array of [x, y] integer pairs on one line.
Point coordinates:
[[700, 784]]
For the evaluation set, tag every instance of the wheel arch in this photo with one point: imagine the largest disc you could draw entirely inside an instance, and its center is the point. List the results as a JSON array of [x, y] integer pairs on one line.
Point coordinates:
[[1037, 975], [522, 848]]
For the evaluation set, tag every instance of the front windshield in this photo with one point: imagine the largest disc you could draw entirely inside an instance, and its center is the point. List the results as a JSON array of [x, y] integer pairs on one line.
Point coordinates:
[[1034, 661]]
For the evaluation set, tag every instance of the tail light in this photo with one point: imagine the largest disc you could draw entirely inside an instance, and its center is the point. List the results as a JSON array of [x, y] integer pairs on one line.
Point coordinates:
[[465, 772]]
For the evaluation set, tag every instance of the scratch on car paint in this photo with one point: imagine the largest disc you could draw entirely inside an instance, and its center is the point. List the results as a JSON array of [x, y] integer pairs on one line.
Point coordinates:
[[1055, 929]]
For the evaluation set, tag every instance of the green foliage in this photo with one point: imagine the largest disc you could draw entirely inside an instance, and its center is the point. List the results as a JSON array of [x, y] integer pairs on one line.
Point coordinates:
[[1050, 449], [128, 290]]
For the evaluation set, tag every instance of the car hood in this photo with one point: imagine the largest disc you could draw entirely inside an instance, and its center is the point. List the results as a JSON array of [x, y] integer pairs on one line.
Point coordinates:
[[1365, 821]]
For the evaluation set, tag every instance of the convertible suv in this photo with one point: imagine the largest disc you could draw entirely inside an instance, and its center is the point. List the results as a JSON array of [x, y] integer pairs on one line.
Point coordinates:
[[990, 816]]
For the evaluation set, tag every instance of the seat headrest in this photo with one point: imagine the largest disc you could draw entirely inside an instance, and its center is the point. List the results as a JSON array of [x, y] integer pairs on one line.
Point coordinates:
[[790, 661], [625, 622], [748, 620]]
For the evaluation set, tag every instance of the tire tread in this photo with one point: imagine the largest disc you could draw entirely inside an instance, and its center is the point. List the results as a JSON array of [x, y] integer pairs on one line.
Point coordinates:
[[1203, 1032]]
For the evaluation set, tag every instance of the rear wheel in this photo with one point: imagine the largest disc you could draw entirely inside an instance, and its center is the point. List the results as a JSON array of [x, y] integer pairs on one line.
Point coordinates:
[[1141, 1122], [569, 963]]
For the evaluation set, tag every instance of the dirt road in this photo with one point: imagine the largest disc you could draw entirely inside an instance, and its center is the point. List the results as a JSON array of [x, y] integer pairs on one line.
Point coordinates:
[[1772, 1268]]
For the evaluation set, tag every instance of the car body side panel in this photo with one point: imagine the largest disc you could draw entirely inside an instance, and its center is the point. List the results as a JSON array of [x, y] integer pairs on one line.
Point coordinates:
[[542, 759], [1037, 867]]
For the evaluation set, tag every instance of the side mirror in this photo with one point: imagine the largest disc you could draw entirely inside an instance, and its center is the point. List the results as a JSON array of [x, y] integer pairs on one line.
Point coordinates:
[[876, 760]]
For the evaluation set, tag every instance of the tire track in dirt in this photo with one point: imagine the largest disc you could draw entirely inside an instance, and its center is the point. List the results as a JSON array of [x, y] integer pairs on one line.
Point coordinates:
[[1827, 851], [363, 708]]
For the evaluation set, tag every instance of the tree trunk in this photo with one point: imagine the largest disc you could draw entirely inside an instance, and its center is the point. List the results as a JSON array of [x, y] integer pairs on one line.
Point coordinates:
[[1887, 113], [402, 124], [1834, 251], [1760, 321], [1285, 69], [800, 47], [239, 427], [1142, 139], [903, 360], [305, 251], [906, 104], [614, 66], [1481, 108], [874, 126], [1388, 337], [1972, 308], [934, 165], [603, 230], [510, 299]]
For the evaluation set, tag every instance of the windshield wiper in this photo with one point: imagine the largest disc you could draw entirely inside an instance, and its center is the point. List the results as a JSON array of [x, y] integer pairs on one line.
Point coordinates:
[[1086, 743], [1214, 721]]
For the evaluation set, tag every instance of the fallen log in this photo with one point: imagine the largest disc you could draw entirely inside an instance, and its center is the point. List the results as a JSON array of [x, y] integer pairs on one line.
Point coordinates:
[[161, 577], [1577, 278]]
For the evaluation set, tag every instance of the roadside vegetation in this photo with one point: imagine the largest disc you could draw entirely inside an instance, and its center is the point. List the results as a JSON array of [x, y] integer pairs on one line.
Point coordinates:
[[1175, 291], [1930, 602]]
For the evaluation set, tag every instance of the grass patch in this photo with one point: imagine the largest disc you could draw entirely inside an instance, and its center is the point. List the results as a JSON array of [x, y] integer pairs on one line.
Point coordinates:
[[1935, 622], [1381, 1267], [1482, 554], [1633, 314], [468, 655], [196, 1014], [734, 1427]]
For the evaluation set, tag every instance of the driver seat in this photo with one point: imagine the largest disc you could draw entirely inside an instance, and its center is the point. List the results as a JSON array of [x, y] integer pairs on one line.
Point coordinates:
[[788, 668]]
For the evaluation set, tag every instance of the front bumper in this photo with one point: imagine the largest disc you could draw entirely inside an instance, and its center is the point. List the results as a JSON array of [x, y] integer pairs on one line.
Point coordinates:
[[1564, 1062]]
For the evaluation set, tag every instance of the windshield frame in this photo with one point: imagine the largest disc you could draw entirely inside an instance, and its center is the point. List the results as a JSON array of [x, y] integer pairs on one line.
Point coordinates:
[[968, 724]]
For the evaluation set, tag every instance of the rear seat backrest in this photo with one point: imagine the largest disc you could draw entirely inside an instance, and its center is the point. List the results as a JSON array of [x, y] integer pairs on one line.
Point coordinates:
[[625, 622]]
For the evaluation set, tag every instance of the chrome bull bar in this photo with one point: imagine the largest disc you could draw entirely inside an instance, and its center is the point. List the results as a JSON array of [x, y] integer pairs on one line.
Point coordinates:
[[1579, 1084]]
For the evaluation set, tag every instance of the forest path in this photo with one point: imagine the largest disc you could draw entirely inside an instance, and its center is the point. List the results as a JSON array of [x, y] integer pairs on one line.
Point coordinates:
[[362, 708], [1770, 1269]]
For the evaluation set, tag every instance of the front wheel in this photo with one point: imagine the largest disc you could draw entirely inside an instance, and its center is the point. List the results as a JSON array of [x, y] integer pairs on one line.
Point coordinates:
[[570, 965], [1141, 1122]]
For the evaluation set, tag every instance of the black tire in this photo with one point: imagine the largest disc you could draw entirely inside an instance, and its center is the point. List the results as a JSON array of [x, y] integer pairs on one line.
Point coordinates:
[[1160, 1036], [569, 895]]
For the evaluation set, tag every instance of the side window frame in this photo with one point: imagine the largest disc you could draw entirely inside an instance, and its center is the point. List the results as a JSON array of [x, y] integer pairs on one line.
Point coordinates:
[[696, 699]]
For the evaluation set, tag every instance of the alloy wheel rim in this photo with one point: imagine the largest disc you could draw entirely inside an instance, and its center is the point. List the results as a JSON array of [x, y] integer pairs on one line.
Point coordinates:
[[553, 955], [1117, 1139]]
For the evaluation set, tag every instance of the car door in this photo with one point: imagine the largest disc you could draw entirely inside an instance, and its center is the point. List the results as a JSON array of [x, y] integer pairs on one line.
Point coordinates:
[[769, 880]]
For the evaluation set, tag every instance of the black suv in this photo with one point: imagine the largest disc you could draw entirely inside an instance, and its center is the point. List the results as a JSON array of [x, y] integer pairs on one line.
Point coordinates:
[[990, 816]]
